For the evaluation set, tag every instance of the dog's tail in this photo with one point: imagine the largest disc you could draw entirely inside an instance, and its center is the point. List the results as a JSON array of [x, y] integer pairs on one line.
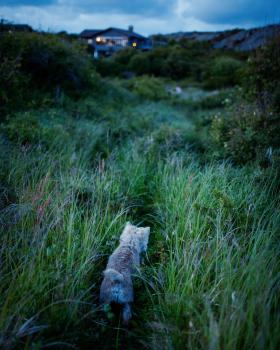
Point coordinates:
[[113, 275]]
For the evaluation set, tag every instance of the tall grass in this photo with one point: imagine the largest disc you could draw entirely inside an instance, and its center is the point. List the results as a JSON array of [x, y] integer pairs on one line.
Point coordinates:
[[217, 285], [51, 249], [212, 272]]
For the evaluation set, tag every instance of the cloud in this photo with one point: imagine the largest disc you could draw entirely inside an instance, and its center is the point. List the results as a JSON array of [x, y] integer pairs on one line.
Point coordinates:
[[29, 2], [234, 12], [133, 7], [147, 16], [57, 18]]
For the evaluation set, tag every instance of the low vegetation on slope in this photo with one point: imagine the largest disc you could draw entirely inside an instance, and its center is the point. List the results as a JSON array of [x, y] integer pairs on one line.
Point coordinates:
[[186, 59], [75, 168], [38, 68]]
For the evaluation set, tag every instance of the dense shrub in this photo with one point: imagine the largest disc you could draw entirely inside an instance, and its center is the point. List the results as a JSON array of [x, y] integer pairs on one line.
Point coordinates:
[[184, 59], [140, 64], [246, 133], [176, 65], [251, 130], [33, 63], [147, 87], [157, 57], [166, 140], [223, 71], [26, 129], [124, 56], [212, 100], [107, 67], [199, 55], [13, 83], [263, 76], [117, 64]]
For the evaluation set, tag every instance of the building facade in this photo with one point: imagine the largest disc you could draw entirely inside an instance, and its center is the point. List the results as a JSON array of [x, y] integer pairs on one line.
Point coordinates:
[[105, 42]]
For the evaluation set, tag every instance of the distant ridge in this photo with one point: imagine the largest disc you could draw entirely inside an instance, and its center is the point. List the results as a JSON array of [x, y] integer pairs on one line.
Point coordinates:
[[236, 39]]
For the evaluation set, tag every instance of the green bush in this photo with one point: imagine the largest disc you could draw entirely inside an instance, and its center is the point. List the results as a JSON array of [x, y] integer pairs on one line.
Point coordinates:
[[165, 141], [176, 65], [263, 75], [124, 56], [13, 84], [116, 64], [245, 134], [186, 58], [148, 87], [140, 64], [33, 63], [252, 129], [212, 100], [157, 58], [26, 129], [107, 67], [222, 72]]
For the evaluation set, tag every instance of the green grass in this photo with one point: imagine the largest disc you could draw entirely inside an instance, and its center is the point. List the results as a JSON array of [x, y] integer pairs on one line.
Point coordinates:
[[217, 286], [211, 274]]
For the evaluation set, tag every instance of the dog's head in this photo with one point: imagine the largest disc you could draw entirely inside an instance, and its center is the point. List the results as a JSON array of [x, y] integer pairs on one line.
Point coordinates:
[[137, 235]]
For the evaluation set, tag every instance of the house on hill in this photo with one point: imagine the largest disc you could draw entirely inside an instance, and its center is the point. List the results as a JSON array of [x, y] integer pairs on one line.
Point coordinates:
[[10, 27], [105, 42]]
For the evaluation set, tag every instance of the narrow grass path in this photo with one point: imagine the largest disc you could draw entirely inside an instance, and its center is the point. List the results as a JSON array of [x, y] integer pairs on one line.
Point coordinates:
[[64, 209], [211, 275]]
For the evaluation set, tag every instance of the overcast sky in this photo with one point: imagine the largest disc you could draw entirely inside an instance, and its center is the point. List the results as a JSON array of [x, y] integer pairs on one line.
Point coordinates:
[[147, 16]]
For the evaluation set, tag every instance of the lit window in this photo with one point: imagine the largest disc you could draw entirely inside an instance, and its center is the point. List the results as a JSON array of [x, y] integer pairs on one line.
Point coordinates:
[[98, 39], [134, 44]]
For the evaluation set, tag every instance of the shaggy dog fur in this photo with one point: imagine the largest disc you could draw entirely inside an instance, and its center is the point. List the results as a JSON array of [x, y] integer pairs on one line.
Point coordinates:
[[117, 284]]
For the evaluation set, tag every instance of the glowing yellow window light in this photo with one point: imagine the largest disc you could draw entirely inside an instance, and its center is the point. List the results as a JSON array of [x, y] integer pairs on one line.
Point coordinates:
[[134, 44], [98, 39]]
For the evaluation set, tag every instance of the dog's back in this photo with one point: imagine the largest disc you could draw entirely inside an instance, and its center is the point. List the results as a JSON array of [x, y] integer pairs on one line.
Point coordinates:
[[117, 284]]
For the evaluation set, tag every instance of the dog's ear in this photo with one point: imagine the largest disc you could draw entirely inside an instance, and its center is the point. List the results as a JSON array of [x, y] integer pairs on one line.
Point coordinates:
[[145, 238], [128, 227], [126, 231], [147, 231]]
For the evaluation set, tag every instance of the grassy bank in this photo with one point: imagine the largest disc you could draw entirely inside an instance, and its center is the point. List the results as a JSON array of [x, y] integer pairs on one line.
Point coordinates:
[[212, 270], [216, 287]]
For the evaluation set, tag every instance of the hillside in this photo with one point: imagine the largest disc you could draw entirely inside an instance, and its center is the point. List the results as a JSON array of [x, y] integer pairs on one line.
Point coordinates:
[[73, 182], [81, 154], [236, 39]]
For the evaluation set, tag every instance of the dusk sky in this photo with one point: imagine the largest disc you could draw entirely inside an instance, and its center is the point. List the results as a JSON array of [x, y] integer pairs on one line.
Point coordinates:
[[147, 16]]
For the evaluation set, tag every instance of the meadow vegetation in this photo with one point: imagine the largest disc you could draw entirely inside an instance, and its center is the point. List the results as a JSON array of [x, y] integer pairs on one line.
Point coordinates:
[[81, 154], [196, 61]]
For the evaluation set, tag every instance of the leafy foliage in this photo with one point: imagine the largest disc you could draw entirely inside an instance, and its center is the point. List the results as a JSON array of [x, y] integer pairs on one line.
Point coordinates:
[[64, 205], [35, 64], [223, 71], [263, 75], [147, 87], [27, 129], [251, 129], [246, 134], [183, 59], [73, 174]]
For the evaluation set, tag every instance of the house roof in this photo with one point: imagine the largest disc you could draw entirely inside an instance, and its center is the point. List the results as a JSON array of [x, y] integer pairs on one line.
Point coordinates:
[[88, 33], [15, 27]]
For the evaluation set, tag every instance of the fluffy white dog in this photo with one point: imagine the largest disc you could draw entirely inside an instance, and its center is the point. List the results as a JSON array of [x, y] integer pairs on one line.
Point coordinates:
[[117, 284]]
